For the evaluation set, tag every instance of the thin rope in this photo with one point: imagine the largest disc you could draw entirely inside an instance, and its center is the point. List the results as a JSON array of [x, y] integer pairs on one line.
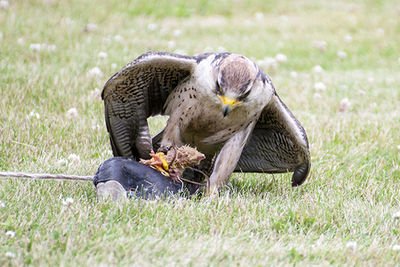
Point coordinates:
[[46, 176], [192, 182]]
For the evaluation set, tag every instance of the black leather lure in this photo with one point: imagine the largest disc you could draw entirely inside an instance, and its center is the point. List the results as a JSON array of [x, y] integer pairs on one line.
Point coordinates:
[[140, 180]]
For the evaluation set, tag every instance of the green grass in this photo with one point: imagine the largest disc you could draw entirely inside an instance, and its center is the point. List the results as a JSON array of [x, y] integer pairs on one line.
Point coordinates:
[[350, 196]]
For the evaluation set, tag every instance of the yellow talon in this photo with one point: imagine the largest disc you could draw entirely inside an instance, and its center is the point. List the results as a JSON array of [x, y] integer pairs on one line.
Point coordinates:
[[157, 162], [160, 169], [164, 162]]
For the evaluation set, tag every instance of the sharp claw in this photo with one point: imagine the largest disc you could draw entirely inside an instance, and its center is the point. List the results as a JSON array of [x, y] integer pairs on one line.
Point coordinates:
[[160, 169]]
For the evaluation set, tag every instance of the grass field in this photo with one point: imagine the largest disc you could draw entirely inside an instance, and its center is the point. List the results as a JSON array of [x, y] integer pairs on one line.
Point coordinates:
[[55, 56]]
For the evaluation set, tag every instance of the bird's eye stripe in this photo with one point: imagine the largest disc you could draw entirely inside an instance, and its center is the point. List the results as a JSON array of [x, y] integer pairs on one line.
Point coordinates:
[[218, 89], [244, 96]]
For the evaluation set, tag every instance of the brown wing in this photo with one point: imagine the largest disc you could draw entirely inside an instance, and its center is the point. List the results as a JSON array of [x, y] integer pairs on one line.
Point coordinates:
[[137, 91], [278, 144]]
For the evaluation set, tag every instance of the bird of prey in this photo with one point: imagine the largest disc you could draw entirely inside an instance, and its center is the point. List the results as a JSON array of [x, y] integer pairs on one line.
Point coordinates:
[[220, 103]]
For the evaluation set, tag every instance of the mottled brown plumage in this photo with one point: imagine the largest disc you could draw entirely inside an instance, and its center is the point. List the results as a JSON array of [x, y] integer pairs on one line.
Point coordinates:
[[236, 74], [220, 103]]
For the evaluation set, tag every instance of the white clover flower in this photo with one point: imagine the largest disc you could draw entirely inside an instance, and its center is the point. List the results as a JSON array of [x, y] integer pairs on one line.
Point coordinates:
[[361, 92], [152, 27], [380, 31], [177, 32], [95, 94], [95, 126], [320, 45], [10, 234], [68, 21], [320, 86], [344, 105], [34, 114], [389, 80], [72, 113], [371, 80], [260, 62], [317, 96], [94, 73], [281, 58], [68, 201], [102, 55], [35, 47], [51, 48], [2, 204], [180, 51], [258, 16], [1, 36], [107, 40], [10, 254], [221, 49], [39, 47], [317, 69], [171, 44], [74, 158], [3, 4], [348, 39], [49, 2], [341, 54], [210, 49], [398, 147], [268, 63], [21, 41], [91, 27], [62, 162], [293, 74], [351, 245], [284, 17], [113, 66], [118, 38], [396, 247], [396, 215]]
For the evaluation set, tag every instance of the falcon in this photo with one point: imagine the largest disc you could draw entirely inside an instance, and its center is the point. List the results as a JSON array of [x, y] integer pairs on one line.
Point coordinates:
[[220, 103]]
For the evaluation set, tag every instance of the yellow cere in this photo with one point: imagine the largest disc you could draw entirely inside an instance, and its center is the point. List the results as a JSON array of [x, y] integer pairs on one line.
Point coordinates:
[[229, 101]]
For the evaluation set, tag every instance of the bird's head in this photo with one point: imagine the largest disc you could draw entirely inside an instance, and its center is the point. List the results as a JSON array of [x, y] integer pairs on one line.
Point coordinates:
[[235, 80]]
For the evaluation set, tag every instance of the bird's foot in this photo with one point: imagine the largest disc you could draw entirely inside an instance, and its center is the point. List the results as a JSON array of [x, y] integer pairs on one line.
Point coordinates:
[[157, 162]]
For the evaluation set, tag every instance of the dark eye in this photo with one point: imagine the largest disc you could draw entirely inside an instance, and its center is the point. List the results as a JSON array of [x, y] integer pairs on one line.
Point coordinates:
[[242, 97], [219, 89]]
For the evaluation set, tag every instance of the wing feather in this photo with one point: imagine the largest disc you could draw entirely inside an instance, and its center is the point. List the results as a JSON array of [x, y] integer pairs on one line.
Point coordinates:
[[278, 144], [137, 91]]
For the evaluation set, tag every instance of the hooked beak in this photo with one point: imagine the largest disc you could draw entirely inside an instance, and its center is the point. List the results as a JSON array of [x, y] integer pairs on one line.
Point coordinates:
[[225, 110], [228, 103]]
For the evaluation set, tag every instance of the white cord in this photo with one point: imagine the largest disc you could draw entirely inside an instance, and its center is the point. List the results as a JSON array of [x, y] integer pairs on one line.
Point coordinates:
[[46, 176]]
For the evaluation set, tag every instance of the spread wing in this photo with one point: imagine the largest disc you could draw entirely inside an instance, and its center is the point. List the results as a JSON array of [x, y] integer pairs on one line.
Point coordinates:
[[137, 91], [278, 144]]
